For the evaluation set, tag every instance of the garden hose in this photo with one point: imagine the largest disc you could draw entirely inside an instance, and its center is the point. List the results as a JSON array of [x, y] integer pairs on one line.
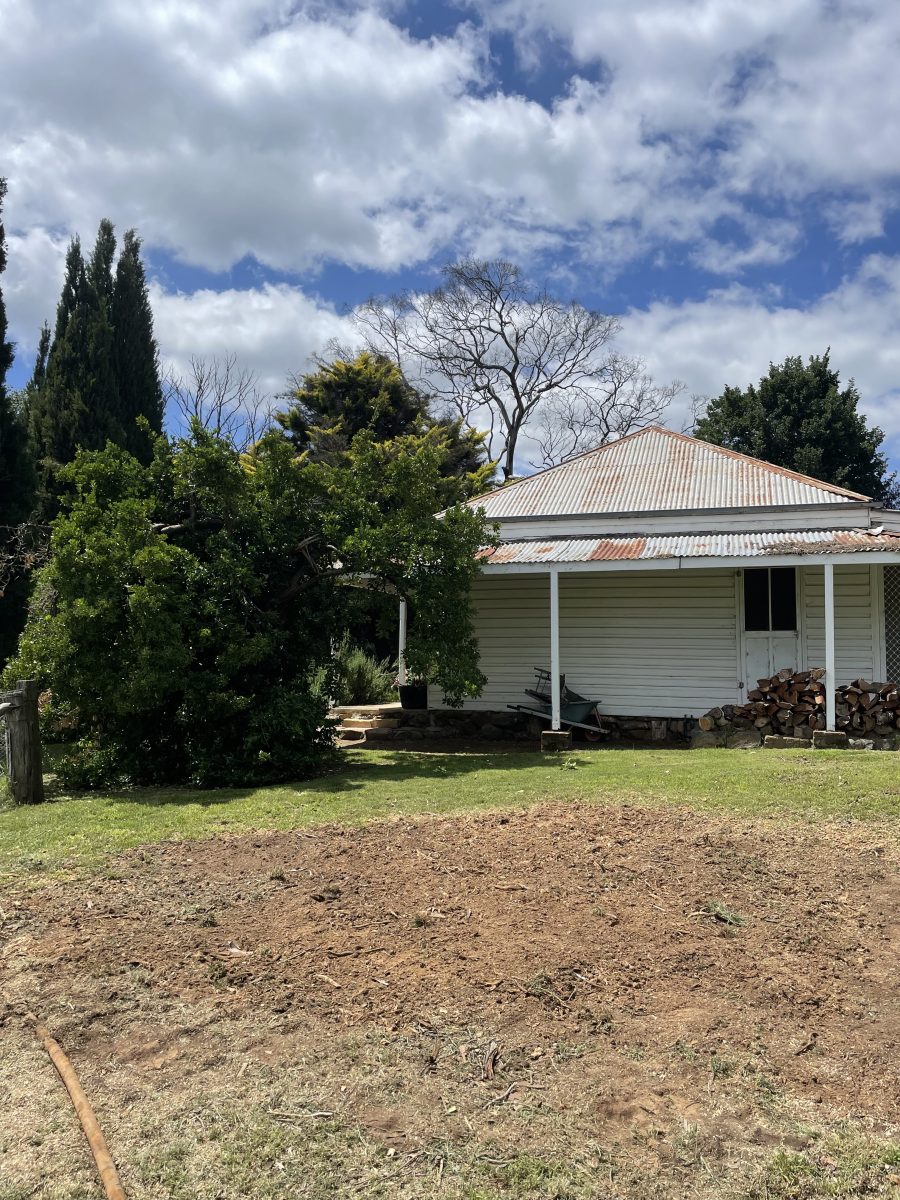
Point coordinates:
[[109, 1176]]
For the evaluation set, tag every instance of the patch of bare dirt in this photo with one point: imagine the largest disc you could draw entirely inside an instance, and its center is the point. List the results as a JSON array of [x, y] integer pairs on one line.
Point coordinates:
[[640, 973]]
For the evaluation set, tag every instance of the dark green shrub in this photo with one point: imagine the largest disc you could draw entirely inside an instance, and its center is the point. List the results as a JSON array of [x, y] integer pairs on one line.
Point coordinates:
[[361, 678], [178, 618]]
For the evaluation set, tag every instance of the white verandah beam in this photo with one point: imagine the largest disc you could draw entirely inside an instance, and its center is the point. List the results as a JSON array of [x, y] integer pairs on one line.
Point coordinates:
[[828, 569], [555, 698]]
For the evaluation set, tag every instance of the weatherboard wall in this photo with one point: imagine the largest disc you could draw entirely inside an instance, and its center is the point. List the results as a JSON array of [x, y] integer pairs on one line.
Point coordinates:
[[655, 643], [512, 624], [648, 643], [858, 620]]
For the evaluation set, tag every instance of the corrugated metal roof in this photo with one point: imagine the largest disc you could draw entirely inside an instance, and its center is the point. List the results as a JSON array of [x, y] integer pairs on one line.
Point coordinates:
[[690, 545], [656, 470]]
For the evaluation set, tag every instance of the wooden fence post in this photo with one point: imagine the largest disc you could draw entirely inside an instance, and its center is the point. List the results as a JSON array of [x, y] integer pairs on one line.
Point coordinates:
[[23, 742]]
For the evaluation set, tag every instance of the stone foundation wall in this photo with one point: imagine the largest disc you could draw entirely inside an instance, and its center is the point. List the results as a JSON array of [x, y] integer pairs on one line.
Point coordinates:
[[512, 726], [648, 729], [478, 725], [422, 724]]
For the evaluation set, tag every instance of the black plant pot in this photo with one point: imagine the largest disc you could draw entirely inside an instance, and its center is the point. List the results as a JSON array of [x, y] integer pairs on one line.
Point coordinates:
[[413, 695]]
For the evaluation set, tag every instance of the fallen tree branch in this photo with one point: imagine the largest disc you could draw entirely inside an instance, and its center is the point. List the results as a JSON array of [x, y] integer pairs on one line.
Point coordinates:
[[514, 1087]]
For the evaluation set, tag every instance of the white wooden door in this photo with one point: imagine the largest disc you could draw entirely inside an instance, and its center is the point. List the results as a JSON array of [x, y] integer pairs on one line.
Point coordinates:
[[767, 652], [771, 637]]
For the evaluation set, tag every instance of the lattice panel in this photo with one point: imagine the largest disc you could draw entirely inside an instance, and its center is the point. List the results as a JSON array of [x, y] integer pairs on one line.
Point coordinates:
[[892, 622]]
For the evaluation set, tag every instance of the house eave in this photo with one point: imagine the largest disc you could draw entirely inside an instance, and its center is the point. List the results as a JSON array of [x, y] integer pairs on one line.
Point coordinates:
[[751, 510]]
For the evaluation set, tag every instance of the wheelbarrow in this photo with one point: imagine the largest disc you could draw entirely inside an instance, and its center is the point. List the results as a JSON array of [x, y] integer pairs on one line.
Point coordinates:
[[575, 711]]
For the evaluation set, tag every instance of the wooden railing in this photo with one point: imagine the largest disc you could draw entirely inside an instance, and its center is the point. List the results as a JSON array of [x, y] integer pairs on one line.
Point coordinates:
[[19, 709]]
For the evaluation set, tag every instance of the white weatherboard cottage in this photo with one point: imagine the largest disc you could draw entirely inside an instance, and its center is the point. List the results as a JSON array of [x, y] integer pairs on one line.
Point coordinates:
[[665, 575]]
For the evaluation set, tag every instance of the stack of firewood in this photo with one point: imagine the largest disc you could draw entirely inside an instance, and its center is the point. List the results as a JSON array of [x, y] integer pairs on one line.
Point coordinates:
[[867, 707], [792, 703]]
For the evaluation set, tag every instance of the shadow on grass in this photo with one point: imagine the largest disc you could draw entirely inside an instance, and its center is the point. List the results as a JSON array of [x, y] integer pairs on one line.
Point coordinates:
[[347, 772]]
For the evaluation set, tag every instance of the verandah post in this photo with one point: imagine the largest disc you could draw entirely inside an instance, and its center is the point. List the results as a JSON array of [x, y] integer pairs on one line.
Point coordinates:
[[401, 650], [23, 742], [555, 698], [829, 647]]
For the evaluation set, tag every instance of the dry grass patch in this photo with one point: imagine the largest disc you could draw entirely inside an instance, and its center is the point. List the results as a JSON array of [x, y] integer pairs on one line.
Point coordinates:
[[572, 1001]]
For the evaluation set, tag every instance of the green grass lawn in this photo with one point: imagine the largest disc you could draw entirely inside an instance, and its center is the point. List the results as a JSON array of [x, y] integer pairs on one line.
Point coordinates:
[[81, 831]]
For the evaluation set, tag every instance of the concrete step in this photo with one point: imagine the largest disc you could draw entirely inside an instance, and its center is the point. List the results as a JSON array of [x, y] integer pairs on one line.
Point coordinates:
[[369, 723], [369, 711]]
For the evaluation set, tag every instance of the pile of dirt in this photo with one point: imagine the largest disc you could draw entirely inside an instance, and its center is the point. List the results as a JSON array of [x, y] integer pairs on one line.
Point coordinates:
[[635, 930]]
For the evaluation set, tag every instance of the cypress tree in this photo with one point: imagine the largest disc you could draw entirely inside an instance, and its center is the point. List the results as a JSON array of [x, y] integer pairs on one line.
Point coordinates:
[[136, 355], [100, 268], [74, 400], [55, 411], [16, 479], [40, 363], [104, 405], [6, 348], [15, 464]]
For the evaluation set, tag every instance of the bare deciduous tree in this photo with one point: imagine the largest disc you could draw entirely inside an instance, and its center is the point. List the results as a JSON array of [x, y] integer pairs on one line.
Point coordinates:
[[624, 398], [223, 397], [23, 549], [501, 353], [696, 411]]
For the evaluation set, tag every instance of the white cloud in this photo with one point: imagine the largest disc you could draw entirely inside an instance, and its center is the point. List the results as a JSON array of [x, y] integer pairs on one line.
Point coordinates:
[[273, 330], [297, 134], [228, 130], [856, 220], [31, 285], [778, 99]]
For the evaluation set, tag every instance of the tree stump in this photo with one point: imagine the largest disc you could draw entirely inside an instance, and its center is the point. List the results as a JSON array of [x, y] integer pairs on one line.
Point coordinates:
[[23, 742]]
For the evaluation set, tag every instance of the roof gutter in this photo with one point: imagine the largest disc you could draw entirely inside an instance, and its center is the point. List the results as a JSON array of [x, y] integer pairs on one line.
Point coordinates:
[[680, 563]]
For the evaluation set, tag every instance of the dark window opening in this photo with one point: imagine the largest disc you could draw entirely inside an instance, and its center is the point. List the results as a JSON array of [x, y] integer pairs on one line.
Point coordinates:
[[784, 598], [770, 599], [756, 599]]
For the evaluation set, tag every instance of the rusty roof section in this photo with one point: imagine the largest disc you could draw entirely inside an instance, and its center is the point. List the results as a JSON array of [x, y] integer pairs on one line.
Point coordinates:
[[690, 545], [657, 470]]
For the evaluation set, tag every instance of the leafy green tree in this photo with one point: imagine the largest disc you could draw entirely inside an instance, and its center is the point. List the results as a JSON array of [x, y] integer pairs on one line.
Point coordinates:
[[136, 354], [379, 515], [189, 604], [799, 417], [182, 614], [369, 397], [370, 394]]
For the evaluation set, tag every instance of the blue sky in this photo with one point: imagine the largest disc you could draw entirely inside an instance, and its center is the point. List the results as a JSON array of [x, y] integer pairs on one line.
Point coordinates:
[[722, 175]]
